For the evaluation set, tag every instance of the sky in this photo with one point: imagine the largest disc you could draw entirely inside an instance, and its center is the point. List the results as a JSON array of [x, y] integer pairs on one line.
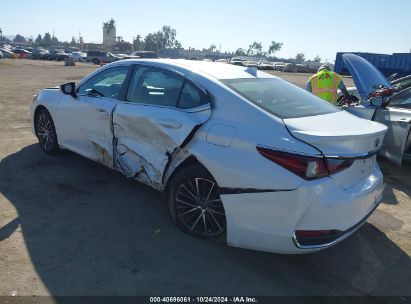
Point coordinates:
[[315, 27]]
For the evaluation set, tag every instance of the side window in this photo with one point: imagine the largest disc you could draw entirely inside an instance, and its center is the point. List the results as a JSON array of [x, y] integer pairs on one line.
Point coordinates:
[[403, 100], [105, 84], [192, 97], [150, 85]]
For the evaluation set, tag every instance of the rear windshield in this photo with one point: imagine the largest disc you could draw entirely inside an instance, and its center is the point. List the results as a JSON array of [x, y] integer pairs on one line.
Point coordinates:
[[280, 97]]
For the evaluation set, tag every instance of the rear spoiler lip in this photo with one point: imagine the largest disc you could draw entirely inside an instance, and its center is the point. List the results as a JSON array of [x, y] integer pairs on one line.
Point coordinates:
[[355, 156]]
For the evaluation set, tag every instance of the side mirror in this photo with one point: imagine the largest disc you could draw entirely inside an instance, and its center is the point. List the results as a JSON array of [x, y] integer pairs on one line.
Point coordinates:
[[69, 89]]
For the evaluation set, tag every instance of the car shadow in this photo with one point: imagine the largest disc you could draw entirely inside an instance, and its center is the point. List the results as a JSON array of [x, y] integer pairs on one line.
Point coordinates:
[[398, 178], [90, 231]]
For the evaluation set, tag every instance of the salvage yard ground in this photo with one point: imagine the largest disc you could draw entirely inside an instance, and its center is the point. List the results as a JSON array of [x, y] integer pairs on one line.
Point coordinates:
[[69, 226]]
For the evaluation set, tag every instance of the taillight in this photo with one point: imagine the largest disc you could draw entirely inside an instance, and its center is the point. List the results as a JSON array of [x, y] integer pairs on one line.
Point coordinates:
[[337, 165], [307, 167]]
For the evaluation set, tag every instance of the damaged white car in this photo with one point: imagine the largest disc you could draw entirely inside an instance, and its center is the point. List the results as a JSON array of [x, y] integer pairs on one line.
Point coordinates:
[[241, 155], [384, 102]]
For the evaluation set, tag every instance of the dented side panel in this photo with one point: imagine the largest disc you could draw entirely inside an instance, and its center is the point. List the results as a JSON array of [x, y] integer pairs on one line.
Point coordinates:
[[148, 139], [84, 125]]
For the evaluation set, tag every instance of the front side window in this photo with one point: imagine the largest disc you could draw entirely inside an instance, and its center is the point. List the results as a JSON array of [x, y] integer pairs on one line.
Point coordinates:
[[279, 97], [402, 100], [105, 84], [150, 85]]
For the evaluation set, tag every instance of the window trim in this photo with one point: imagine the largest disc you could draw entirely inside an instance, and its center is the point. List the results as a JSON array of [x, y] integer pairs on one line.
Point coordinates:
[[133, 69], [99, 73]]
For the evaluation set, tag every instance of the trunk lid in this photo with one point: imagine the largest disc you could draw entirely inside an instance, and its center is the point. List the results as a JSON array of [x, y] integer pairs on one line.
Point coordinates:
[[338, 134], [367, 78]]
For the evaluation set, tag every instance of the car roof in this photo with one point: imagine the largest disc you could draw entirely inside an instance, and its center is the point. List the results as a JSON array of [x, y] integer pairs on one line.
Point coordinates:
[[214, 69]]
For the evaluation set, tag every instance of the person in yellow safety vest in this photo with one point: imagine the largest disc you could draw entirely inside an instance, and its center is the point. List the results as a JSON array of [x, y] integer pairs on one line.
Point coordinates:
[[325, 84]]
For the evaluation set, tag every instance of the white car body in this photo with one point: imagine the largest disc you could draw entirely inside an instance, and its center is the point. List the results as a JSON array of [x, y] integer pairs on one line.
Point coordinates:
[[265, 204], [78, 56]]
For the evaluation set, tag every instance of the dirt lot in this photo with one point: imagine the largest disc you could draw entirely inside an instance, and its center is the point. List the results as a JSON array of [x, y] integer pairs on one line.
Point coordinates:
[[69, 226]]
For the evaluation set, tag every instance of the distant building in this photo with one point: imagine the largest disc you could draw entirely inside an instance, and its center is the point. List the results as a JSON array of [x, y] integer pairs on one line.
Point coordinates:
[[109, 34]]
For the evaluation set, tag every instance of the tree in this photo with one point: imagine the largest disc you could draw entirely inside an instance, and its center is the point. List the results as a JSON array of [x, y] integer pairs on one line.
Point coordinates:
[[177, 44], [274, 47], [165, 38], [317, 59], [19, 39], [212, 48], [168, 37], [47, 39], [256, 48], [152, 42], [138, 44], [73, 41], [54, 40], [240, 52], [300, 57], [39, 40]]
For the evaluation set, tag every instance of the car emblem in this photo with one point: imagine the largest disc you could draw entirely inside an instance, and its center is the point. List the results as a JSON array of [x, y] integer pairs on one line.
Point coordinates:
[[377, 142]]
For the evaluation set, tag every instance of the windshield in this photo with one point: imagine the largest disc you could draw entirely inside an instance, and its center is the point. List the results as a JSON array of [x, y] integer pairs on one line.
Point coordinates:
[[280, 97]]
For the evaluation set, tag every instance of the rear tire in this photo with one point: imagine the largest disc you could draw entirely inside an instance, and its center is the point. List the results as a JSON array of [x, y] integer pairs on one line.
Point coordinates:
[[46, 132], [96, 61], [195, 205]]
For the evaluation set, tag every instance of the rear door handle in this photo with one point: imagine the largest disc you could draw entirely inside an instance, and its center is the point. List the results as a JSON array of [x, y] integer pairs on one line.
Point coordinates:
[[169, 123]]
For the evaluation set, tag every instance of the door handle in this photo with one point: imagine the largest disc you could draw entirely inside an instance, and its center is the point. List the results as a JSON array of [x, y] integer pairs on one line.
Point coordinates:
[[169, 123], [102, 111]]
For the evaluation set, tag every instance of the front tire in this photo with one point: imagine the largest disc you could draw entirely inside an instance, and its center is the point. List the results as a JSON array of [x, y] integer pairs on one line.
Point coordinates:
[[46, 132], [195, 205]]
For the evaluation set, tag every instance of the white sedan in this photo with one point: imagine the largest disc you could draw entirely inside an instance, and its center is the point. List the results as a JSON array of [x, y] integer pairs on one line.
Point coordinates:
[[242, 156], [79, 56]]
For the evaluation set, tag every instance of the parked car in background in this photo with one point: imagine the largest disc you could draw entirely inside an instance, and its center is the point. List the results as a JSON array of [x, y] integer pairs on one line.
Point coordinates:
[[302, 68], [145, 54], [249, 63], [22, 53], [399, 84], [380, 101], [6, 53], [40, 54], [279, 66], [79, 56], [236, 61], [242, 156], [265, 65], [1, 55], [290, 67], [98, 57], [57, 55]]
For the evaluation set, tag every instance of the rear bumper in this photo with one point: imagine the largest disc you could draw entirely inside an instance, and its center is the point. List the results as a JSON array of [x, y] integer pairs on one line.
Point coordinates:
[[337, 238], [268, 221]]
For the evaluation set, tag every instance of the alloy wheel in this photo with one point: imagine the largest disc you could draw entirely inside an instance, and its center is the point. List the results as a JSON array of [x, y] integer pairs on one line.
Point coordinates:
[[45, 132], [199, 207]]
